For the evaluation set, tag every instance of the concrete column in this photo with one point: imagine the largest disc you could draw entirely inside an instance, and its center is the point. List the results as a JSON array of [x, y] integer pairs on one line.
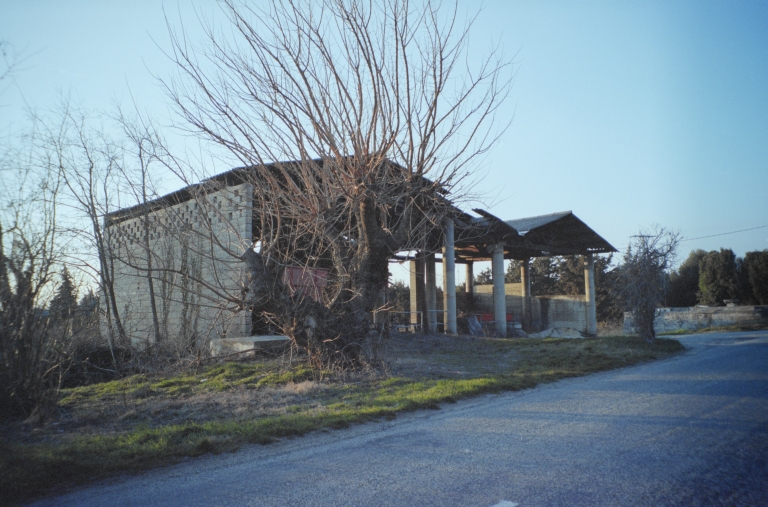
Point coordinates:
[[431, 293], [525, 279], [589, 291], [449, 279], [469, 284], [499, 292], [417, 289]]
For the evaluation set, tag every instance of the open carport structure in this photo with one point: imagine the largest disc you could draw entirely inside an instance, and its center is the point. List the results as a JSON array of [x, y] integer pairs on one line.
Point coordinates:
[[466, 239]]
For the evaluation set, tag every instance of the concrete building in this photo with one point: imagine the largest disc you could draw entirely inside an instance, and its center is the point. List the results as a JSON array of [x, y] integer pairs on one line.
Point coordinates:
[[185, 249], [469, 239]]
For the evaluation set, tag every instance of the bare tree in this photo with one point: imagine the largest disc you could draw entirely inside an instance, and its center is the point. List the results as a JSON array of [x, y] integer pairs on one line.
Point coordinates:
[[100, 175], [33, 359], [88, 163], [381, 112], [643, 275], [10, 62], [143, 139]]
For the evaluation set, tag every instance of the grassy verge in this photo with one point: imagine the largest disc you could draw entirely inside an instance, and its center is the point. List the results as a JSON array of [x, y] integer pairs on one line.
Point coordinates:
[[139, 422]]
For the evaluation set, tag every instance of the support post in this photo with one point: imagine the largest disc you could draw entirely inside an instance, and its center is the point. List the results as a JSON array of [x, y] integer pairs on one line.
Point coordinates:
[[449, 279], [589, 291], [525, 279], [431, 293], [499, 292], [469, 284], [417, 290]]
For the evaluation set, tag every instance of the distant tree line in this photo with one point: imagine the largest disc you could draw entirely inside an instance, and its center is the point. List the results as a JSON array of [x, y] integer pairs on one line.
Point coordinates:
[[710, 278]]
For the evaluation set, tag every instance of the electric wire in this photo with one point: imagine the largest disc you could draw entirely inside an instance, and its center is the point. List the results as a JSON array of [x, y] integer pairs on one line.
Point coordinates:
[[725, 233]]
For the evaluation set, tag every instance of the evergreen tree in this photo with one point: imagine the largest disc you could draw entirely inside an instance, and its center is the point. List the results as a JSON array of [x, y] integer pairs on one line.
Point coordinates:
[[717, 277], [64, 302], [544, 276], [89, 303], [609, 307], [513, 274], [683, 285], [400, 297], [485, 277], [755, 267], [570, 275]]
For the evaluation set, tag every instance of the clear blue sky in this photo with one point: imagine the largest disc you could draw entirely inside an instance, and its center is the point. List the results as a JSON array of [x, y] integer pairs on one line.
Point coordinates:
[[628, 113]]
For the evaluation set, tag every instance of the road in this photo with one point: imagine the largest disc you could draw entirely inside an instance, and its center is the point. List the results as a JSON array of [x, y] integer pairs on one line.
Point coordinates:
[[688, 430]]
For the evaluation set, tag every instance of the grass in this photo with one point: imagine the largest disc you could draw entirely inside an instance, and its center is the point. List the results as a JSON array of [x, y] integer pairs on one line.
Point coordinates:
[[217, 378], [142, 422]]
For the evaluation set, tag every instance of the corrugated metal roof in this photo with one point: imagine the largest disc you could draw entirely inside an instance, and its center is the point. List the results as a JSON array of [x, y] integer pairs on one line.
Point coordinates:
[[524, 225], [560, 233]]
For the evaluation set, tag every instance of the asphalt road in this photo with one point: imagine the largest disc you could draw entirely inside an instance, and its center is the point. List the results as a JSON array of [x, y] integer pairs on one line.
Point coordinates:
[[689, 430]]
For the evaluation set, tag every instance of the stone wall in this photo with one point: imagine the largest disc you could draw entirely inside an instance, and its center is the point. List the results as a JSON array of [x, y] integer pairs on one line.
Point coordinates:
[[701, 317]]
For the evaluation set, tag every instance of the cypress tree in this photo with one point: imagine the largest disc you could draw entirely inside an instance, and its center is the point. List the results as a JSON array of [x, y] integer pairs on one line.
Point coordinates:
[[64, 302]]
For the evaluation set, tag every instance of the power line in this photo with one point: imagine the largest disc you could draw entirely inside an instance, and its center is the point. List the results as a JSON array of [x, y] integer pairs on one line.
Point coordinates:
[[701, 237], [725, 233]]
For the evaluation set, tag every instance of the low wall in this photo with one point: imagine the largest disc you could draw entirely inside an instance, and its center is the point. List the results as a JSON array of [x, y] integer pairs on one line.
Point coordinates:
[[546, 311], [563, 311], [700, 317]]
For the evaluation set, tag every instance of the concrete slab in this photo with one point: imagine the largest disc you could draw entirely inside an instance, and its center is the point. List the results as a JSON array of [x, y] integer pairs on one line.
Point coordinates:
[[558, 332], [224, 346]]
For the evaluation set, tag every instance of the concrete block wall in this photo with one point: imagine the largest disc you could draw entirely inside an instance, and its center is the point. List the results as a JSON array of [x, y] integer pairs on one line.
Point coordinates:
[[202, 237], [563, 311], [546, 311]]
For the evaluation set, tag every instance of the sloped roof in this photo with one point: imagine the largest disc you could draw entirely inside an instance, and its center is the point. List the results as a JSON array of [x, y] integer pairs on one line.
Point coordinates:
[[560, 233], [229, 178], [524, 225]]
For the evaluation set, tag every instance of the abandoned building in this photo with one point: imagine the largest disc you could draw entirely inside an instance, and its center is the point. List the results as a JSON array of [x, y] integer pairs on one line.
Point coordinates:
[[469, 239], [200, 230], [182, 252]]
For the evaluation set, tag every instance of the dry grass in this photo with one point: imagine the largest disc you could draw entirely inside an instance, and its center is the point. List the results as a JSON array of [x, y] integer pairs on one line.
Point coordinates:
[[140, 422]]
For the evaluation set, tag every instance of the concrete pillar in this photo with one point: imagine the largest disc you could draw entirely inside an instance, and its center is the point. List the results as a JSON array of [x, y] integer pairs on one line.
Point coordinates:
[[469, 284], [431, 293], [525, 279], [449, 279], [589, 291], [417, 289], [499, 292]]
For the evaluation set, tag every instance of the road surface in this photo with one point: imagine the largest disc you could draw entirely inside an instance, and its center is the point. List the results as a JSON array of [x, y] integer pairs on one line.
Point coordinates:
[[688, 430]]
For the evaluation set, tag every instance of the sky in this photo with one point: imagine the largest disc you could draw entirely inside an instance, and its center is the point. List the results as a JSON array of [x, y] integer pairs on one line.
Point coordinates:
[[629, 114]]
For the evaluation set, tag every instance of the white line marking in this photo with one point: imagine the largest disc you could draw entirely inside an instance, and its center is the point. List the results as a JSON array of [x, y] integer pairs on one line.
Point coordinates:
[[506, 503]]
